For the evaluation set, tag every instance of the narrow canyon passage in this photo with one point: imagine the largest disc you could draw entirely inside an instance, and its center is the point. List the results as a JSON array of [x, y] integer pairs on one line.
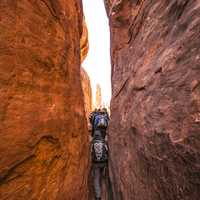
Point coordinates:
[[46, 97], [97, 65]]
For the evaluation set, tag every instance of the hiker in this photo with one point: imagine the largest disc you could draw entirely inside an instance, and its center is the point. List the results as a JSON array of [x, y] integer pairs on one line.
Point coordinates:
[[105, 112], [99, 151], [92, 118], [100, 123]]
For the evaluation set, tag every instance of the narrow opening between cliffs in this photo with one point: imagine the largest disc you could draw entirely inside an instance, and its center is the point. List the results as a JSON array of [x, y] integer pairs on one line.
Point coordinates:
[[97, 66], [97, 62]]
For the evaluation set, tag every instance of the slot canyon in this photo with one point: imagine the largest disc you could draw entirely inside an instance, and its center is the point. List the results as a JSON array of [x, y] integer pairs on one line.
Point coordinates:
[[46, 98]]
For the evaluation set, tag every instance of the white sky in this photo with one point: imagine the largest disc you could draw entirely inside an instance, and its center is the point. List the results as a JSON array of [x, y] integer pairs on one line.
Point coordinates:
[[97, 63]]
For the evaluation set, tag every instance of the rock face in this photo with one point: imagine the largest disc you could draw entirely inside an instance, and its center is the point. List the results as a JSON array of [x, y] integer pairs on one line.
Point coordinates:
[[85, 80], [43, 137], [154, 133], [98, 96], [87, 91]]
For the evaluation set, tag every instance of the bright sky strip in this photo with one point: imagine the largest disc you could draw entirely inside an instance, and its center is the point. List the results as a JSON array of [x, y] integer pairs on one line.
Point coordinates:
[[97, 63]]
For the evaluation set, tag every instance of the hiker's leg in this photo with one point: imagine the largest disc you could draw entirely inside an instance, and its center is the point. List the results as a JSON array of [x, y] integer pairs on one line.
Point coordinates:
[[97, 185], [104, 171]]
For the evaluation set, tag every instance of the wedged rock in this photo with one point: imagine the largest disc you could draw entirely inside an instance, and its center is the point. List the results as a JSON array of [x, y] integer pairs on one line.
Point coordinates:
[[154, 132], [43, 129]]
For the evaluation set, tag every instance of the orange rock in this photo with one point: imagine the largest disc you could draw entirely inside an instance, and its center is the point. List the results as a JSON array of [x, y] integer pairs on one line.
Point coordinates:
[[98, 96], [87, 91], [84, 42], [43, 152], [85, 80]]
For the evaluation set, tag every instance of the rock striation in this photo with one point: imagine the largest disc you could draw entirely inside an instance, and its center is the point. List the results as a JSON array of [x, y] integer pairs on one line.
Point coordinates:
[[154, 132], [43, 129]]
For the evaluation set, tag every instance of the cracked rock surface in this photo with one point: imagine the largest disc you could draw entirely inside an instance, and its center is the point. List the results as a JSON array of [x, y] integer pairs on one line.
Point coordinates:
[[154, 132]]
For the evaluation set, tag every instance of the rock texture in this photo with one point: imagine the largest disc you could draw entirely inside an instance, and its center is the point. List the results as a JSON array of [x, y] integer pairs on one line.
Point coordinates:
[[43, 137], [154, 133], [87, 91]]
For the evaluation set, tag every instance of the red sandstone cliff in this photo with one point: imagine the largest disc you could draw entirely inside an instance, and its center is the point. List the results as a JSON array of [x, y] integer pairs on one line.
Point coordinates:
[[42, 120], [154, 132]]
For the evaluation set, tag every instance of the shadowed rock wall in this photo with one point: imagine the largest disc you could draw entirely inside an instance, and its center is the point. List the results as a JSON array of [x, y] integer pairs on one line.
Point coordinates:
[[43, 137], [154, 132]]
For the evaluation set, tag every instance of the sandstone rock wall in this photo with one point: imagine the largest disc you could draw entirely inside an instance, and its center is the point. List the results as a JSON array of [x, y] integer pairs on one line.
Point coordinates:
[[43, 137], [85, 79], [87, 91], [154, 132]]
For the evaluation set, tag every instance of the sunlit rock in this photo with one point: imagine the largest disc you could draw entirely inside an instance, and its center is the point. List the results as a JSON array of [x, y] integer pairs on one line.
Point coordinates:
[[98, 96], [87, 91], [43, 134], [84, 45]]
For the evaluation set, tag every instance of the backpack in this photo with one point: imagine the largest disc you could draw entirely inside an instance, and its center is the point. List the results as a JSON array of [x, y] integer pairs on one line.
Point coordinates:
[[99, 151], [99, 134], [100, 121]]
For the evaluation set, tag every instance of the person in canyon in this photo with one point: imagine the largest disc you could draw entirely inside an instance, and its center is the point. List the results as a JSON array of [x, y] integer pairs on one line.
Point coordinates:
[[99, 151], [99, 119], [92, 116]]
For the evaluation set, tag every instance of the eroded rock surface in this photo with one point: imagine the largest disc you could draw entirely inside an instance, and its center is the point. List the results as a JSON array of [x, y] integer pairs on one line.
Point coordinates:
[[154, 132], [43, 134]]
